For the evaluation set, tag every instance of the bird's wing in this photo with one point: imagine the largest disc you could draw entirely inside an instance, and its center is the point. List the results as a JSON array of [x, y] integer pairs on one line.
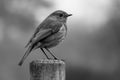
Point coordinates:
[[42, 25], [44, 31]]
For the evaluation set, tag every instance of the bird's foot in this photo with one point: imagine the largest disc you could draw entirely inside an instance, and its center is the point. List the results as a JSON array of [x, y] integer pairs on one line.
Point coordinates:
[[63, 60], [59, 59], [56, 58], [49, 58]]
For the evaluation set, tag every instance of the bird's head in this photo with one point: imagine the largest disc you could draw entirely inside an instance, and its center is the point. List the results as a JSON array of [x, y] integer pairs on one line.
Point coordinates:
[[60, 15]]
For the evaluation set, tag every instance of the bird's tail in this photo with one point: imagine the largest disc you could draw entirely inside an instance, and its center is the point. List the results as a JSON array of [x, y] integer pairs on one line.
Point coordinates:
[[25, 55]]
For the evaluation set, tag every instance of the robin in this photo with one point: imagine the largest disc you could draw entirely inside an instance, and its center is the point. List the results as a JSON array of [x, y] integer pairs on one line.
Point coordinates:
[[48, 34]]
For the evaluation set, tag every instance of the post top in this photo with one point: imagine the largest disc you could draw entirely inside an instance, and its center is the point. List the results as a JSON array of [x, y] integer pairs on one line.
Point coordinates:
[[48, 61]]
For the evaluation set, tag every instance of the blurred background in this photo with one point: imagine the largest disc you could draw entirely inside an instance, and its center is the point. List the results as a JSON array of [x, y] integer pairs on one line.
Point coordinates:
[[91, 48]]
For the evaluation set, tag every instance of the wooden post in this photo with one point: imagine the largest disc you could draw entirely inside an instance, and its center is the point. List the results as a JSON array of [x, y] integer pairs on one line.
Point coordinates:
[[47, 70]]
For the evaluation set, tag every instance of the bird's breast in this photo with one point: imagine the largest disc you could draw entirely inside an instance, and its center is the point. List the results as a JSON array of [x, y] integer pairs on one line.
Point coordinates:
[[63, 31], [56, 38]]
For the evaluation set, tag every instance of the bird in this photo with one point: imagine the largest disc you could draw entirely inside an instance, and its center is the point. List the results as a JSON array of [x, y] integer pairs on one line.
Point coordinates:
[[48, 34]]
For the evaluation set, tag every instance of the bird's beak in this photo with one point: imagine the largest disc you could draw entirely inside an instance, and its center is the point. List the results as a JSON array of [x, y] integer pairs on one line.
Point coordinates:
[[69, 15]]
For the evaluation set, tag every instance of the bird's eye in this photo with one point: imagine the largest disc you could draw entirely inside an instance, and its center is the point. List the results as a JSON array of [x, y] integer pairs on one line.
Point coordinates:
[[60, 15]]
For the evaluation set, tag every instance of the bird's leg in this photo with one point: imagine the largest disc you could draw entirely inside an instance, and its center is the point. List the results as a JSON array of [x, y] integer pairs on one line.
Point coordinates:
[[51, 53], [44, 53]]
